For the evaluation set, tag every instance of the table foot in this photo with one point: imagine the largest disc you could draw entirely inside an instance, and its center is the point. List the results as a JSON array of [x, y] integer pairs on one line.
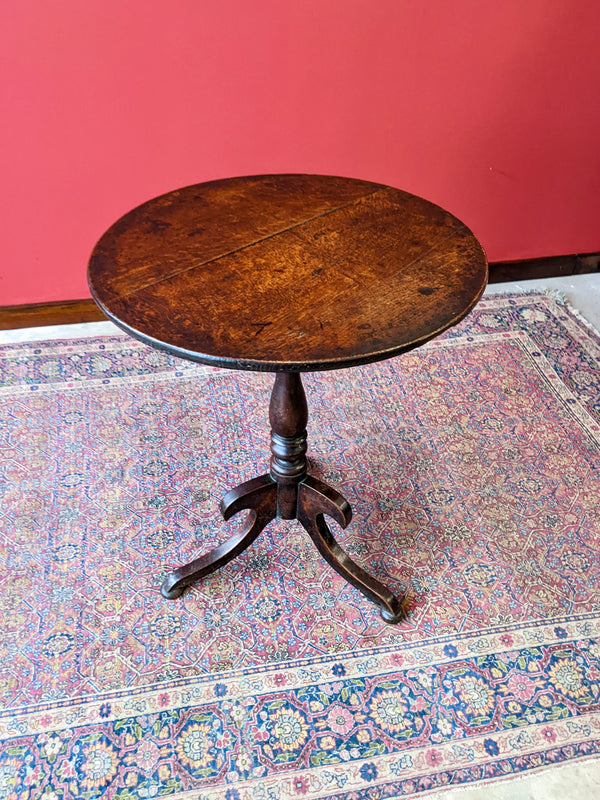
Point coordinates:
[[315, 499], [259, 497]]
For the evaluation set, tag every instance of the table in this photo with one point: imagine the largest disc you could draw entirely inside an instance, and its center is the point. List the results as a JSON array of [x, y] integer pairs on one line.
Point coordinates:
[[287, 274]]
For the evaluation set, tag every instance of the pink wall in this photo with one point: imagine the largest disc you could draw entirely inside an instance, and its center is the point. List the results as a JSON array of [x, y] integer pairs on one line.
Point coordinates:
[[488, 108]]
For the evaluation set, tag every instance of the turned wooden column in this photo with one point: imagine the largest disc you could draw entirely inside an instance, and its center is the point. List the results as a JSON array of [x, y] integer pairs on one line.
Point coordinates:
[[288, 415]]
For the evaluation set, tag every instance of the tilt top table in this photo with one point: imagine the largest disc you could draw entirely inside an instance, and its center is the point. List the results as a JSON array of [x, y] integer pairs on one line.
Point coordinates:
[[287, 274]]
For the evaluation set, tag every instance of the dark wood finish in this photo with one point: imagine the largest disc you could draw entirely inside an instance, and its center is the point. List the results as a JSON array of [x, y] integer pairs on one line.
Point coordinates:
[[550, 267], [36, 314], [287, 273], [288, 415], [67, 311], [289, 493], [315, 499], [259, 497]]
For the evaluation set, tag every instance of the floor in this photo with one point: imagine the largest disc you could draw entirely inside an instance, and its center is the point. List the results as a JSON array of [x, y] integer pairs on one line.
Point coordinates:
[[580, 780], [580, 291]]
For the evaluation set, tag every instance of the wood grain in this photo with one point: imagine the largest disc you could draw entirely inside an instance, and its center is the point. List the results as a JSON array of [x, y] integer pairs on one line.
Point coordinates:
[[62, 312], [287, 272]]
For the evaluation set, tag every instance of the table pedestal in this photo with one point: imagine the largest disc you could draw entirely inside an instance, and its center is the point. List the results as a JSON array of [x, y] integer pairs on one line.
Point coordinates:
[[288, 492]]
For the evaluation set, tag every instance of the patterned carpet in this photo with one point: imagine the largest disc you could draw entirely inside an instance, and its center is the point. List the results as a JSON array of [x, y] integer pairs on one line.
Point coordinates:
[[472, 469]]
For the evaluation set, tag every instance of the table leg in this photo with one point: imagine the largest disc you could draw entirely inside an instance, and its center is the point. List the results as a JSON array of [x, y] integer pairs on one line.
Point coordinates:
[[259, 496], [287, 492], [315, 499]]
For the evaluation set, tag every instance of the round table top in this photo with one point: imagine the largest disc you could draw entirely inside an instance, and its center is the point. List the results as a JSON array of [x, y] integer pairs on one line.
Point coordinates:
[[287, 272]]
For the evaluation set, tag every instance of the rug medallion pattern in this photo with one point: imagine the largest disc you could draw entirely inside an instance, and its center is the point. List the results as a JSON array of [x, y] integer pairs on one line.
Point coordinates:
[[472, 466]]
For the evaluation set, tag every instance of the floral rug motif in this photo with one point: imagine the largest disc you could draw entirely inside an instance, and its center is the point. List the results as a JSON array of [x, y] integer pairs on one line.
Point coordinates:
[[472, 467]]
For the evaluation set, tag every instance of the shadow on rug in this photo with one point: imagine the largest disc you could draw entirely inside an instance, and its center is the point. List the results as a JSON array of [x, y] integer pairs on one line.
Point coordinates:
[[273, 678]]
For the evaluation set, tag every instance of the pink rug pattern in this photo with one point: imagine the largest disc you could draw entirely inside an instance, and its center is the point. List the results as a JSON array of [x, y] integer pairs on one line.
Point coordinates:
[[472, 466]]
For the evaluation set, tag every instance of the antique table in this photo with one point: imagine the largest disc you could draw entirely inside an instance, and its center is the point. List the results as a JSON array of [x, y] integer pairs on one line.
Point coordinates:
[[287, 274]]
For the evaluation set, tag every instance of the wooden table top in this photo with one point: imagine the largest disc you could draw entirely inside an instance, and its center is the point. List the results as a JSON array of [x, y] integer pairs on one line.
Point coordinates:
[[287, 272]]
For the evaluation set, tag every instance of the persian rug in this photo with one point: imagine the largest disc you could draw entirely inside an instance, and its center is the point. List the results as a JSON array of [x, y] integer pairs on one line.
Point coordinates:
[[472, 468]]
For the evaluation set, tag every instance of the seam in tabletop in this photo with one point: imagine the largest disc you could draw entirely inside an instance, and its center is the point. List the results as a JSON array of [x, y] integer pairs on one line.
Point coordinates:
[[252, 244]]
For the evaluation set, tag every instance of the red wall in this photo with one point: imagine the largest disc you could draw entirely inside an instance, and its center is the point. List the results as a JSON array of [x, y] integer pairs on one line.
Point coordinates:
[[491, 109]]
